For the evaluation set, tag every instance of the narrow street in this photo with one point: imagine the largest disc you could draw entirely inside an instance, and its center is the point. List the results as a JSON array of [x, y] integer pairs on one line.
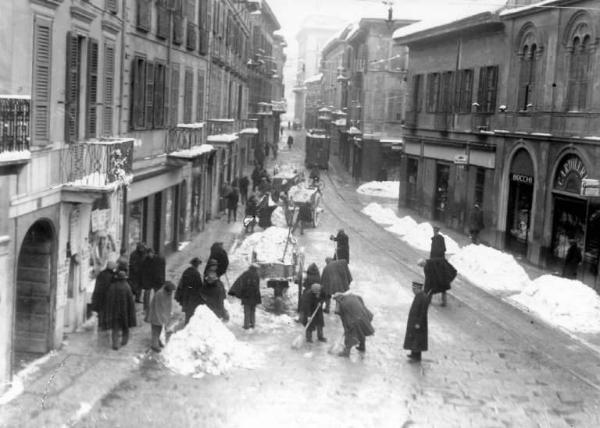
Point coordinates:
[[488, 364]]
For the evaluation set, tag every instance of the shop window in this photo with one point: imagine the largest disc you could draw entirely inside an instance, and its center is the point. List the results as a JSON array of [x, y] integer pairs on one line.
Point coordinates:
[[169, 206], [592, 245], [479, 186], [137, 221], [488, 87]]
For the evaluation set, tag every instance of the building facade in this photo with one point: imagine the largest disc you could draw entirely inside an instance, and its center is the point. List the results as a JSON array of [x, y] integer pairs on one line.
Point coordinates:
[[505, 117]]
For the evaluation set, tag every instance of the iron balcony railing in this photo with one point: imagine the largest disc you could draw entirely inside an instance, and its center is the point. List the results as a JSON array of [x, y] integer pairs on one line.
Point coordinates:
[[97, 163], [184, 136], [223, 126], [14, 123]]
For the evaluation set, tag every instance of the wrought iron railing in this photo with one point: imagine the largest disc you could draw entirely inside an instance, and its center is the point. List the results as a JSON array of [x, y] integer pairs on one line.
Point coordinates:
[[222, 126], [14, 124], [184, 137], [97, 164]]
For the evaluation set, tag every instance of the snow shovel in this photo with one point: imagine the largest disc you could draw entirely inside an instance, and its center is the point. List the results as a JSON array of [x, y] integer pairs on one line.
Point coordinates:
[[287, 241], [301, 339]]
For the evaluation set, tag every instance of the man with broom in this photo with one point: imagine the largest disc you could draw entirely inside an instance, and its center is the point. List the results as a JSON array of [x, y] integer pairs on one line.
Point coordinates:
[[312, 312]]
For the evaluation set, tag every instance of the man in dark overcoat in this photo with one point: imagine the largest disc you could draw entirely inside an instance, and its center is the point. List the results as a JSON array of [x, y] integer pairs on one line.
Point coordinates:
[[342, 249], [153, 275], [336, 278], [120, 309], [312, 303], [232, 198], [244, 183], [189, 290], [572, 260], [415, 339], [103, 281], [438, 244], [247, 288], [213, 293], [256, 176], [476, 223], [136, 260], [356, 320], [290, 142], [218, 253]]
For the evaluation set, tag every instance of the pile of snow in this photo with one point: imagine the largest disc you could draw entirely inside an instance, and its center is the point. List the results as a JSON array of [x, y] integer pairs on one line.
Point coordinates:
[[380, 214], [268, 246], [17, 386], [490, 269], [564, 302], [205, 345], [420, 238], [301, 193], [385, 189], [402, 226], [15, 155]]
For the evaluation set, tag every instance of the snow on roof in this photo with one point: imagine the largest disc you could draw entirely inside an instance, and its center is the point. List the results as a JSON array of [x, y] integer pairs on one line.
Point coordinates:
[[249, 131], [443, 18], [531, 6], [193, 151], [222, 138], [196, 125], [16, 97], [314, 79]]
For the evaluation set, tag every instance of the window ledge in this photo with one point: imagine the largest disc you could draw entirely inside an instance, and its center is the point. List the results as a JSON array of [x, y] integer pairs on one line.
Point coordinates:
[[82, 14]]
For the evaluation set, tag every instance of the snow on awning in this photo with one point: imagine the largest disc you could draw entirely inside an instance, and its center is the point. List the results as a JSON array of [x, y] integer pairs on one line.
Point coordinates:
[[340, 122], [314, 79], [249, 131], [222, 138], [193, 152], [197, 125], [18, 155]]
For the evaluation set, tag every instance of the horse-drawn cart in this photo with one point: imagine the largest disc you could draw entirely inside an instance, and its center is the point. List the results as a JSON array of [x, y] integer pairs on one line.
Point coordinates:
[[306, 199]]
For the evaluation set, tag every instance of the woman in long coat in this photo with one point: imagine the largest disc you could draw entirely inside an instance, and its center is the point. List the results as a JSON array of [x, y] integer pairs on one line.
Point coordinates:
[[120, 309], [356, 320], [189, 290], [247, 288], [336, 278], [218, 253], [415, 339]]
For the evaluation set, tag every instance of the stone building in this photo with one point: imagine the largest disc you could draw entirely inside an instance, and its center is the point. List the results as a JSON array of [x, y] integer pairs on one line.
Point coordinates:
[[502, 113]]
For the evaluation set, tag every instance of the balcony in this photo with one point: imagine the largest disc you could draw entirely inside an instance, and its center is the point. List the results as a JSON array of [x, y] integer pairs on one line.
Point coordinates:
[[14, 129], [96, 166], [184, 136], [223, 126]]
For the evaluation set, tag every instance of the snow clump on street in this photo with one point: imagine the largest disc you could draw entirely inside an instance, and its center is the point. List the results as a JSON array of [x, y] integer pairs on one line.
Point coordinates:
[[268, 246], [402, 226], [563, 302], [205, 345], [384, 189], [420, 238], [490, 269], [380, 214]]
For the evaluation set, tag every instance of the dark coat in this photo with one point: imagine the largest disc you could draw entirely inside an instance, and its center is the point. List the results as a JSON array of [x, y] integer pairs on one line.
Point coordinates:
[[244, 183], [476, 220], [153, 273], [233, 197], [438, 247], [214, 295], [256, 175], [356, 318], [342, 251], [247, 287], [310, 302], [439, 273], [264, 212], [336, 277], [572, 260], [219, 254], [136, 261], [290, 141], [189, 290], [120, 306], [101, 288], [312, 276], [251, 206], [416, 326]]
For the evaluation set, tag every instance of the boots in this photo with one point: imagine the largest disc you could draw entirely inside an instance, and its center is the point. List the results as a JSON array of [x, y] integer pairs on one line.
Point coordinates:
[[444, 299], [361, 347]]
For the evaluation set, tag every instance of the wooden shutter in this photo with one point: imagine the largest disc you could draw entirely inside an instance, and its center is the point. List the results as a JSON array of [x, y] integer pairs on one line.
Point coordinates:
[[159, 96], [91, 122], [162, 19], [149, 93], [144, 15], [174, 104], [108, 88], [187, 96], [492, 85], [42, 61], [200, 97], [137, 88], [72, 88]]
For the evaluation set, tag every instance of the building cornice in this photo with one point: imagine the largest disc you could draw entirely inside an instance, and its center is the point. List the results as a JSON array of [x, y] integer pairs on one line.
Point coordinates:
[[82, 15], [53, 4], [110, 27]]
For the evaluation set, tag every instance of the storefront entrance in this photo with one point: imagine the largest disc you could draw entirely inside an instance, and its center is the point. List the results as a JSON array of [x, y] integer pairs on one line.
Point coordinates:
[[412, 171], [440, 204], [520, 198]]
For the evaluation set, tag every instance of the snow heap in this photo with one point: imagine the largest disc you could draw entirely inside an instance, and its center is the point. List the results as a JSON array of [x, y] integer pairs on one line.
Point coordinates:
[[420, 238], [379, 214], [301, 193], [385, 189], [490, 269], [205, 345], [563, 302], [268, 245], [402, 226]]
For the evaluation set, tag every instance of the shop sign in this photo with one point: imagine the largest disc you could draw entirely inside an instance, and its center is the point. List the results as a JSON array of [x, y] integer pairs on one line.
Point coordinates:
[[571, 168], [521, 178], [590, 187], [461, 159]]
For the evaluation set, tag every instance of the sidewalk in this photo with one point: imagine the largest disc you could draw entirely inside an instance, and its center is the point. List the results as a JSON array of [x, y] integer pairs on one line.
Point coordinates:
[[346, 187], [76, 377]]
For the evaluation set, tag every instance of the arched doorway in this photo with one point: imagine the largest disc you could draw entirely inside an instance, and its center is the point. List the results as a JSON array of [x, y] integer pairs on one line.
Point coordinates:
[[33, 330], [520, 202]]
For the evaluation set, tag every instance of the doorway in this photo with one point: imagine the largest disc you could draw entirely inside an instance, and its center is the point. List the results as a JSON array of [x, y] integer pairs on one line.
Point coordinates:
[[442, 174]]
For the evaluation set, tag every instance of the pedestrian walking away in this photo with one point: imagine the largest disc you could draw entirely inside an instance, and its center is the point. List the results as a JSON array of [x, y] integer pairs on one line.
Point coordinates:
[[98, 304], [415, 339], [136, 261], [232, 202], [213, 293], [290, 142], [476, 223], [312, 306], [247, 288], [342, 248], [438, 251], [219, 254], [152, 275], [439, 274], [356, 320], [336, 278], [159, 313], [251, 212], [120, 309], [572, 260], [189, 289], [244, 183]]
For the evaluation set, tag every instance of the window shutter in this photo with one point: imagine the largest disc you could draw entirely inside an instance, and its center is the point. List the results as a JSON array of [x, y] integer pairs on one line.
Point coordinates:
[[481, 91], [92, 89], [41, 81], [137, 100], [149, 94], [109, 83], [162, 19], [200, 98], [187, 96], [112, 6], [72, 88], [159, 95], [144, 15], [492, 86], [174, 104]]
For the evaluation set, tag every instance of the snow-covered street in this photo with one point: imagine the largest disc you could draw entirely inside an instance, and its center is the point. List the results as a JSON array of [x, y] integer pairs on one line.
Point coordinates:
[[489, 364]]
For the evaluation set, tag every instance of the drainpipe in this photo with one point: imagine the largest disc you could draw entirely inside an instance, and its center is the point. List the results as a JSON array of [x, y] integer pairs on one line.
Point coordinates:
[[124, 213]]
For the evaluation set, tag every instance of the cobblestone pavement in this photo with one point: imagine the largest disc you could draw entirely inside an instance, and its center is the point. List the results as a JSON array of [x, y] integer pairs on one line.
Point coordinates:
[[489, 365]]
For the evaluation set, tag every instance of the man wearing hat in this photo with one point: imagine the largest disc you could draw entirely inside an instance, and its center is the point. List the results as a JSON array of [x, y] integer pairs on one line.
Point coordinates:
[[247, 288], [120, 309], [189, 290], [356, 320], [342, 249], [476, 223], [218, 253], [312, 303], [415, 339], [438, 244], [103, 281]]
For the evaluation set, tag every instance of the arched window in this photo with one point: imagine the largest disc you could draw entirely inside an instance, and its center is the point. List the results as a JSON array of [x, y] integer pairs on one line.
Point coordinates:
[[579, 69], [527, 77]]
